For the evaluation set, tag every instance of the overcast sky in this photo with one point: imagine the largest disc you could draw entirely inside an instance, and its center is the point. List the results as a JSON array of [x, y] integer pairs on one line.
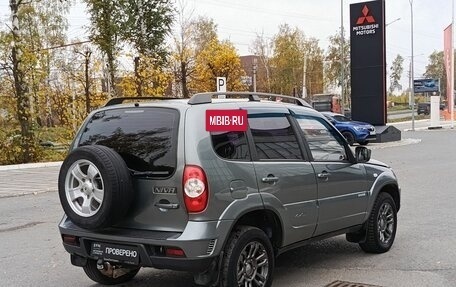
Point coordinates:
[[240, 20]]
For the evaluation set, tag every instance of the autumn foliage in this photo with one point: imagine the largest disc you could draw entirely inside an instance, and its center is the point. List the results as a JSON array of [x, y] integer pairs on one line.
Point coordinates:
[[218, 59]]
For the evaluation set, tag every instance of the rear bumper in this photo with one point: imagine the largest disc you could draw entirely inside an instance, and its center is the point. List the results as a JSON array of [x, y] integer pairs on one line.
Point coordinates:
[[201, 242]]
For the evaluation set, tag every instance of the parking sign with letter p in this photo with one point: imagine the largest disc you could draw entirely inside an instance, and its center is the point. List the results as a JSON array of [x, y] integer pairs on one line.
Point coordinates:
[[221, 86]]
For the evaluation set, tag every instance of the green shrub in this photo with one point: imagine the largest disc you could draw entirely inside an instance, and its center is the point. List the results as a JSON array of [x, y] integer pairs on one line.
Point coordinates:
[[57, 141]]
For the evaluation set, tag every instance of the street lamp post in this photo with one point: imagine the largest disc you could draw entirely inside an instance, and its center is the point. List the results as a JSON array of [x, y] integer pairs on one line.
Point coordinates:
[[412, 76], [255, 66]]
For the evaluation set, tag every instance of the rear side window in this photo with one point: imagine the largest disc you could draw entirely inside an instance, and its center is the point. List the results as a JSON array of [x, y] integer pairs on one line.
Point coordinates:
[[231, 145], [146, 138], [274, 137]]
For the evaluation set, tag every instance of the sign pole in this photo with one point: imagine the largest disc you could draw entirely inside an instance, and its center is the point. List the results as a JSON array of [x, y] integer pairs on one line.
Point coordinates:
[[412, 70]]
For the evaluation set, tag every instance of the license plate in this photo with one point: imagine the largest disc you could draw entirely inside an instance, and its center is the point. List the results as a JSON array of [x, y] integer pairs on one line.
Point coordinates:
[[114, 252], [372, 133]]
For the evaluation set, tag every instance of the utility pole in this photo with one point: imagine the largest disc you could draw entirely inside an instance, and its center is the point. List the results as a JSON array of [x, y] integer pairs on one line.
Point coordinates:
[[411, 70], [304, 76], [254, 67], [73, 105], [410, 83], [20, 86], [87, 55]]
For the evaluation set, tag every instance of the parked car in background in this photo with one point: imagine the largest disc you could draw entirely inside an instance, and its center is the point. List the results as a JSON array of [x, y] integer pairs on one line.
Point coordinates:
[[425, 108], [353, 131]]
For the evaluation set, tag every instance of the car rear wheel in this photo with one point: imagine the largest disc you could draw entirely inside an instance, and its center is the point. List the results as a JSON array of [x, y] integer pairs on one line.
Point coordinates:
[[349, 136], [381, 225], [95, 187], [100, 276], [248, 260]]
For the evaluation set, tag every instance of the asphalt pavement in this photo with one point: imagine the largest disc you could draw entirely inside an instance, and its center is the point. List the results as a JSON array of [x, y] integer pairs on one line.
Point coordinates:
[[22, 181], [423, 254]]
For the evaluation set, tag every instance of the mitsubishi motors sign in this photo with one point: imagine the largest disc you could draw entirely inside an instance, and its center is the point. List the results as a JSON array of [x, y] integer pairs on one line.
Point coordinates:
[[368, 62], [366, 24]]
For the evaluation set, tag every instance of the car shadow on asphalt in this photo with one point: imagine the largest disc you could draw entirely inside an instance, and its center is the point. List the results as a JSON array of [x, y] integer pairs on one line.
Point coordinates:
[[319, 253], [330, 252]]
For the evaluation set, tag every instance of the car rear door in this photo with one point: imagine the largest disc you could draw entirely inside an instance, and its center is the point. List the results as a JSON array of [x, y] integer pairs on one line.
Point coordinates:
[[342, 188], [285, 178], [147, 139]]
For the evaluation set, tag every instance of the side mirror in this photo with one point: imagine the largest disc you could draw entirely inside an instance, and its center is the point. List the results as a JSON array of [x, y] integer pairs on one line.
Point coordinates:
[[363, 154]]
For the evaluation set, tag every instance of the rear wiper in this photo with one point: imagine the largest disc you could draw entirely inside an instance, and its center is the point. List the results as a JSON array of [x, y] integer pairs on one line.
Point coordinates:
[[149, 173]]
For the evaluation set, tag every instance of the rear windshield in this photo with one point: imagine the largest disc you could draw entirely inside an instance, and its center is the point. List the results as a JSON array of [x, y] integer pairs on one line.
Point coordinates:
[[146, 138]]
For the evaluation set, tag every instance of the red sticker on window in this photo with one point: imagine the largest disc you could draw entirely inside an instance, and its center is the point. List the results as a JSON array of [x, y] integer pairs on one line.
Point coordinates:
[[226, 120]]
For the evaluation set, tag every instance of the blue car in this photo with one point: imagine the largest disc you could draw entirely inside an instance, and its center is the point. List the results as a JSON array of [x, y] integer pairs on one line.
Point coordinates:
[[353, 131]]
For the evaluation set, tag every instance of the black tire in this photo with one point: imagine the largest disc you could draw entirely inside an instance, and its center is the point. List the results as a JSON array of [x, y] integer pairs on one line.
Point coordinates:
[[241, 239], [349, 137], [93, 273], [116, 183], [364, 143], [374, 242]]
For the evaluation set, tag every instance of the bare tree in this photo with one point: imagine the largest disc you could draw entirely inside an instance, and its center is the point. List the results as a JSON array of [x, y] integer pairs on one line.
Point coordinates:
[[262, 48], [184, 54]]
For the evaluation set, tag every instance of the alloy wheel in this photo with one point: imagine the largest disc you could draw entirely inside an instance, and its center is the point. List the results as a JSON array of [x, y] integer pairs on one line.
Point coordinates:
[[84, 188], [253, 265], [385, 223]]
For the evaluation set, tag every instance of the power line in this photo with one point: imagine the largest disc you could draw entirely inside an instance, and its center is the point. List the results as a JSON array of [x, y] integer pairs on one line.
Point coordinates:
[[63, 46]]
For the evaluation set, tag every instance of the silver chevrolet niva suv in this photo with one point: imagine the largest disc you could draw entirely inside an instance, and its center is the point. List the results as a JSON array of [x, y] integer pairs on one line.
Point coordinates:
[[148, 184]]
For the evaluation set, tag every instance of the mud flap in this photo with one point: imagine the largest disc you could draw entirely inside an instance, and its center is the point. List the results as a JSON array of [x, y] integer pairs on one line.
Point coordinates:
[[211, 276], [77, 260]]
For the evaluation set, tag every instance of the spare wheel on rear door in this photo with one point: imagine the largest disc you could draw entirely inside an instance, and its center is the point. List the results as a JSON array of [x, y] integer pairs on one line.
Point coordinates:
[[95, 187]]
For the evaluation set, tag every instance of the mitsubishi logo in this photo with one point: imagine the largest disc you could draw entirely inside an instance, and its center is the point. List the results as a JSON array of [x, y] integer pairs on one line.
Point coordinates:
[[363, 19]]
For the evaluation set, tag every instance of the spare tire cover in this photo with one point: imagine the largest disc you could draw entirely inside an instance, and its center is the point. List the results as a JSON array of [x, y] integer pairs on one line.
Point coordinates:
[[95, 187]]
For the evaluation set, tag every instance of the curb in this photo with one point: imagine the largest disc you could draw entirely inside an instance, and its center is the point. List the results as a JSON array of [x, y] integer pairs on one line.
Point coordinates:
[[406, 122], [30, 165], [403, 142], [2, 196], [441, 127]]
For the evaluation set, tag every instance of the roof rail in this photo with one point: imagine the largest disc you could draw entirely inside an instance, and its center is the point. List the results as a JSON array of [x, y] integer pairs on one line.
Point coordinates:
[[206, 98], [118, 101]]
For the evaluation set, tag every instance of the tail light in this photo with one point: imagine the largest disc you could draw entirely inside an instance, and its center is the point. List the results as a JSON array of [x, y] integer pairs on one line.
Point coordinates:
[[195, 188], [70, 239]]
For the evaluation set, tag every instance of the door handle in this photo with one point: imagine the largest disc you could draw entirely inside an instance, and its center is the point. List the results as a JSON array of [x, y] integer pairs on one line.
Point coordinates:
[[167, 205], [323, 174], [270, 179]]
